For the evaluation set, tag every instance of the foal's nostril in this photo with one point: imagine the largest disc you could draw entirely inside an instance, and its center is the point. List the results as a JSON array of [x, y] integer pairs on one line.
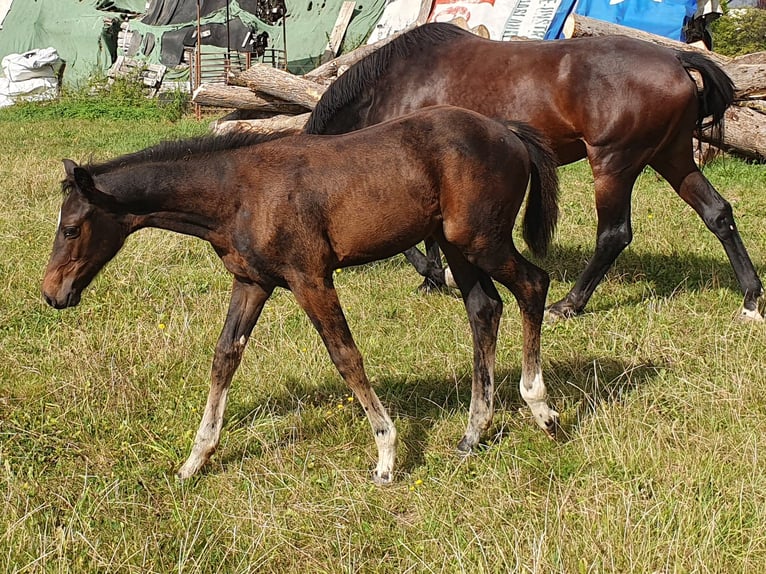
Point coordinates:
[[53, 302]]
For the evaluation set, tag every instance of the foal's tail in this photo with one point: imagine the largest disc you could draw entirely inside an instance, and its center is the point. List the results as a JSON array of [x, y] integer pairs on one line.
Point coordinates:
[[716, 95], [542, 212]]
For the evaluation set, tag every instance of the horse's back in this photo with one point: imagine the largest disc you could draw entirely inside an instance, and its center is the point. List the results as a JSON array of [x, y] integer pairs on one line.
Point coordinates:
[[584, 91], [413, 173]]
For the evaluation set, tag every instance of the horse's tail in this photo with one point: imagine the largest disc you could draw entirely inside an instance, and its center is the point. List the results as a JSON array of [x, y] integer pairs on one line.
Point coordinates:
[[716, 95], [542, 211]]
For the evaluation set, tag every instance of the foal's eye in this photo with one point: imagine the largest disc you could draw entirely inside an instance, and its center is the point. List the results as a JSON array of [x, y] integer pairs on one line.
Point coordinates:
[[71, 232]]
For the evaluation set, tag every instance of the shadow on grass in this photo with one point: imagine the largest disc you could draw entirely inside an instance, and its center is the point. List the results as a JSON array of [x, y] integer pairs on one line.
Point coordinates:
[[665, 272], [576, 388]]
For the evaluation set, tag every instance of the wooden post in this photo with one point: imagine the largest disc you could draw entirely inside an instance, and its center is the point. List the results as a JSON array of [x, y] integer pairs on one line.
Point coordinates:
[[338, 31]]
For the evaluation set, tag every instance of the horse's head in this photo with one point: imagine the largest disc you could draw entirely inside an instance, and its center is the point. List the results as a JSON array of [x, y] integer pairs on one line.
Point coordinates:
[[90, 232]]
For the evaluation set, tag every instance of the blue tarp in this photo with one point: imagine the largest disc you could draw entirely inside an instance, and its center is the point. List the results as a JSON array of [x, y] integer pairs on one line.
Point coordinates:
[[662, 17]]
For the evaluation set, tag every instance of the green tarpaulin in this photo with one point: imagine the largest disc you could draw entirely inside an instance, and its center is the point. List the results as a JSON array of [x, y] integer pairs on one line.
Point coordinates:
[[85, 32]]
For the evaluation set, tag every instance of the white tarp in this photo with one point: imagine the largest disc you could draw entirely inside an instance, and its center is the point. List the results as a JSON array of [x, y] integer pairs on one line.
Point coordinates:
[[5, 5], [498, 19], [30, 76], [397, 16]]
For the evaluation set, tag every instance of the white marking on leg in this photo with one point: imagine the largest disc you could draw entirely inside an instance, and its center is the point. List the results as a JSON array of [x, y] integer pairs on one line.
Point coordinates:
[[751, 315], [449, 279], [208, 435], [536, 397], [386, 443]]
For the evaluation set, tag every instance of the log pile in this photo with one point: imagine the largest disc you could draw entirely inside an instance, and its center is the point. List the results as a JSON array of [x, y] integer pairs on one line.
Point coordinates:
[[267, 99]]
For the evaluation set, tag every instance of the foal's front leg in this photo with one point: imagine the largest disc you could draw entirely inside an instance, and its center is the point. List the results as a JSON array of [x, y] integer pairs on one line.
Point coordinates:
[[245, 307], [319, 299]]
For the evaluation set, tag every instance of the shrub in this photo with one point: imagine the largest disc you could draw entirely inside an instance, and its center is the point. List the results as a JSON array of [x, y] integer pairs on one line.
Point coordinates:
[[123, 99], [740, 31]]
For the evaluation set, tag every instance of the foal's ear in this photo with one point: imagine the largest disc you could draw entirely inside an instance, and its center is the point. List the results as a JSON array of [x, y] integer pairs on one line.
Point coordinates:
[[80, 176], [84, 181], [69, 167], [85, 184]]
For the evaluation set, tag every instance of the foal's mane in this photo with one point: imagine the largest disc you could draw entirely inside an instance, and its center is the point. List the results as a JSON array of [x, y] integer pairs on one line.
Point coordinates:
[[367, 71], [185, 149]]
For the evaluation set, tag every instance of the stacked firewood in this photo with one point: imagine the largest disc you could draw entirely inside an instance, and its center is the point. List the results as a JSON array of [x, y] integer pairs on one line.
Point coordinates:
[[267, 99]]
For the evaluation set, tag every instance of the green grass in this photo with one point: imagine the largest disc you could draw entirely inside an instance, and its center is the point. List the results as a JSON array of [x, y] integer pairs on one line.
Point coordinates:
[[660, 390]]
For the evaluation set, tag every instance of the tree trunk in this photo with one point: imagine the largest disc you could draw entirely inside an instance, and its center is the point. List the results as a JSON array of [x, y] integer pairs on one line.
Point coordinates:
[[262, 78], [264, 126], [330, 70], [744, 133], [220, 95]]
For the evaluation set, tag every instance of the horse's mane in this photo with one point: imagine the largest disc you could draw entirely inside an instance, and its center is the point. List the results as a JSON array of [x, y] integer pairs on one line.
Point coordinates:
[[173, 150], [368, 70]]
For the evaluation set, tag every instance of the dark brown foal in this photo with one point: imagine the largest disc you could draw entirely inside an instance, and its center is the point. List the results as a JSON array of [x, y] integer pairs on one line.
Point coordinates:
[[288, 211]]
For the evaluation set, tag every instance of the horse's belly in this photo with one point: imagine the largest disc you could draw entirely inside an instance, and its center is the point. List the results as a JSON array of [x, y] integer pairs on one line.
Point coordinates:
[[377, 232]]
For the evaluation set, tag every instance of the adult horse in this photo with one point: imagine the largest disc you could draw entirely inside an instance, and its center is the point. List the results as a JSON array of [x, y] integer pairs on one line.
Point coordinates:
[[287, 211], [622, 103]]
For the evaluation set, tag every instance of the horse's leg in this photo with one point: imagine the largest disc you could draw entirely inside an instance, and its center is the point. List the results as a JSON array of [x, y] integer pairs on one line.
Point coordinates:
[[429, 266], [245, 307], [613, 235], [529, 285], [320, 301], [484, 307], [716, 212]]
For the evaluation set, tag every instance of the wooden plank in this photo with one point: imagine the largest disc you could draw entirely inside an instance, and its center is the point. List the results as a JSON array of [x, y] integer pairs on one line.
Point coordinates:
[[338, 31]]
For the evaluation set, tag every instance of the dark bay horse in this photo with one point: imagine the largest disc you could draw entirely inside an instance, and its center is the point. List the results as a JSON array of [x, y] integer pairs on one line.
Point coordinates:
[[286, 211], [622, 103]]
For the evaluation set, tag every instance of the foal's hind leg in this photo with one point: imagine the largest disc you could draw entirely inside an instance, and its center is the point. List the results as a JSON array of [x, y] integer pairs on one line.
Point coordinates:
[[484, 307], [319, 300], [716, 212], [244, 309], [529, 285]]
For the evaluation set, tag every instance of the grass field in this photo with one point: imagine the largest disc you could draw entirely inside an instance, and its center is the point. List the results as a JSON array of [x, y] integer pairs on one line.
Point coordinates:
[[661, 393]]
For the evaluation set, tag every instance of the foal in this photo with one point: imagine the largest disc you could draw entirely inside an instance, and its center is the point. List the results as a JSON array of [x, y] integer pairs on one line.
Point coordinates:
[[286, 211]]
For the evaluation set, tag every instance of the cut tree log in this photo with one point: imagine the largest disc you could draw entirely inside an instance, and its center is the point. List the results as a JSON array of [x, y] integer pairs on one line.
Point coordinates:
[[264, 79], [748, 74], [744, 133], [223, 96], [263, 126]]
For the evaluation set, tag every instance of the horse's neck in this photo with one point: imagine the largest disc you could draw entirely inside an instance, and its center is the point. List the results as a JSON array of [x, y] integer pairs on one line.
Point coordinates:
[[177, 196]]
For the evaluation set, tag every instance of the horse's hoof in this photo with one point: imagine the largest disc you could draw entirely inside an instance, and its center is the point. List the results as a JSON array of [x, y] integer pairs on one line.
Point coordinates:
[[449, 279], [559, 312], [465, 446], [431, 286], [382, 478], [549, 422], [553, 428], [750, 315]]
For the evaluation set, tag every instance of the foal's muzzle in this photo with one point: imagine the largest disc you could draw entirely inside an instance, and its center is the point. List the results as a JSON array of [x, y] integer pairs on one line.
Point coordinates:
[[70, 300]]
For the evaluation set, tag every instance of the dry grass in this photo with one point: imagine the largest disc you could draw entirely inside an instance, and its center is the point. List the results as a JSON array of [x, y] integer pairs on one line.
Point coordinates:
[[660, 390]]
